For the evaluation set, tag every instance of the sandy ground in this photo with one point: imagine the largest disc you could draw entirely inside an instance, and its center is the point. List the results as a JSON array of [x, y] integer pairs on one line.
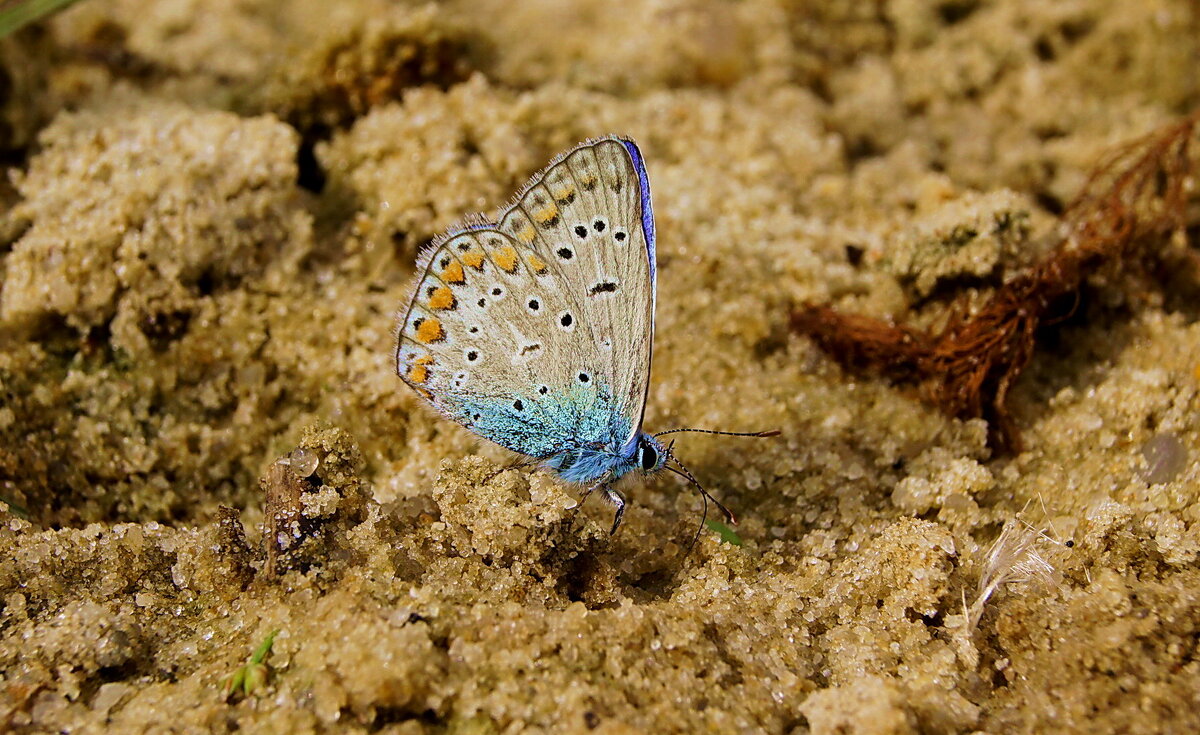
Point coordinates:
[[210, 217]]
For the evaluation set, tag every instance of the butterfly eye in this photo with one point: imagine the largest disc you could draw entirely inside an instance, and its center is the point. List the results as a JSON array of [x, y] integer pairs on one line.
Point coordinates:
[[649, 457]]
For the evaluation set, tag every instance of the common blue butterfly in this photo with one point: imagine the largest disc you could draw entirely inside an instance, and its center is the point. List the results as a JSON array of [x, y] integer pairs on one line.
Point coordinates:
[[535, 331]]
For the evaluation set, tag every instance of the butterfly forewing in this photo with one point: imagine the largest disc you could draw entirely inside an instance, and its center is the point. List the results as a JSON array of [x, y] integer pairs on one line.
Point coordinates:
[[536, 332]]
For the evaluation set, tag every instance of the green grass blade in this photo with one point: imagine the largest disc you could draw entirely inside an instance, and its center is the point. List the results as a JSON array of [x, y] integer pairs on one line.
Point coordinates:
[[16, 14]]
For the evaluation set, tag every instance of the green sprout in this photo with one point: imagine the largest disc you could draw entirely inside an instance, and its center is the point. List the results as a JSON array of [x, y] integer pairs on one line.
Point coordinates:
[[251, 676], [727, 534], [18, 511], [15, 15]]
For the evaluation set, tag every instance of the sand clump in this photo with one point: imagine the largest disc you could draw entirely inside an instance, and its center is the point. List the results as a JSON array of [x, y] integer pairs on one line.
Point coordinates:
[[212, 217]]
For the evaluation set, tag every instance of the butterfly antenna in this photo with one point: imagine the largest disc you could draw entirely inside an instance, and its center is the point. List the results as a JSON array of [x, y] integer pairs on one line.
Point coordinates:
[[770, 432], [703, 513], [686, 474]]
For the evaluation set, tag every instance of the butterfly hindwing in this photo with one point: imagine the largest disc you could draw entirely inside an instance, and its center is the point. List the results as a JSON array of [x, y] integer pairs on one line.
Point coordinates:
[[535, 332]]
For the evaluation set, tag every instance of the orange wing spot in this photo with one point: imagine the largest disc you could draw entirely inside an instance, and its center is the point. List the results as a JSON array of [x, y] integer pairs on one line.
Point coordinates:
[[442, 298], [430, 330], [563, 194], [418, 374], [453, 273], [474, 259], [526, 234], [546, 214], [506, 258], [424, 360], [536, 264]]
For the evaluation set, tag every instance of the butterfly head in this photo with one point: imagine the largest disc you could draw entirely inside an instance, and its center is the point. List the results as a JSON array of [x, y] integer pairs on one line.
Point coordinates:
[[651, 455]]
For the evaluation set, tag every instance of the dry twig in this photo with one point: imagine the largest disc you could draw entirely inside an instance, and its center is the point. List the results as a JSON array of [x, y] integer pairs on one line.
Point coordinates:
[[1133, 201]]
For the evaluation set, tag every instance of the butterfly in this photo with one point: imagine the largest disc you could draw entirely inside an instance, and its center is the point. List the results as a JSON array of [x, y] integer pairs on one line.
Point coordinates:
[[536, 331]]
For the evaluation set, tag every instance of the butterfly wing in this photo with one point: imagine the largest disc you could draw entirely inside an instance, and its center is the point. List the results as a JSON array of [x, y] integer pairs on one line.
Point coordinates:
[[536, 331]]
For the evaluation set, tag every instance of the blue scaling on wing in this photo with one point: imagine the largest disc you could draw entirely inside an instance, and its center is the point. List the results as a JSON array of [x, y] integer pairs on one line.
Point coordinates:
[[554, 428]]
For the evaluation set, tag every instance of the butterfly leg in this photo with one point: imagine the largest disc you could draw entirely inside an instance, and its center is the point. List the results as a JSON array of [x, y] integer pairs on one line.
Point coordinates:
[[586, 494], [616, 498]]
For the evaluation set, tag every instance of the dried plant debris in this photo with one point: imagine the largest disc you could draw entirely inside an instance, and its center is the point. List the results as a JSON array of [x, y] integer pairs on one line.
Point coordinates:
[[311, 497], [1133, 203], [1021, 554]]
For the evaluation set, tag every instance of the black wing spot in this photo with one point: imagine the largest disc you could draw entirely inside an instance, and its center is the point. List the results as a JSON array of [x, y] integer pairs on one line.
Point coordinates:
[[473, 330], [584, 377], [472, 356], [619, 236], [566, 320], [534, 305], [602, 287], [445, 261], [464, 246], [543, 390], [518, 405], [599, 225], [429, 291], [482, 303], [497, 291], [530, 348], [580, 231], [565, 253]]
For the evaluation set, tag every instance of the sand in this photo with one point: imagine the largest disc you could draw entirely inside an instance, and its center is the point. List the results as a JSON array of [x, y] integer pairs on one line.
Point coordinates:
[[210, 218]]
